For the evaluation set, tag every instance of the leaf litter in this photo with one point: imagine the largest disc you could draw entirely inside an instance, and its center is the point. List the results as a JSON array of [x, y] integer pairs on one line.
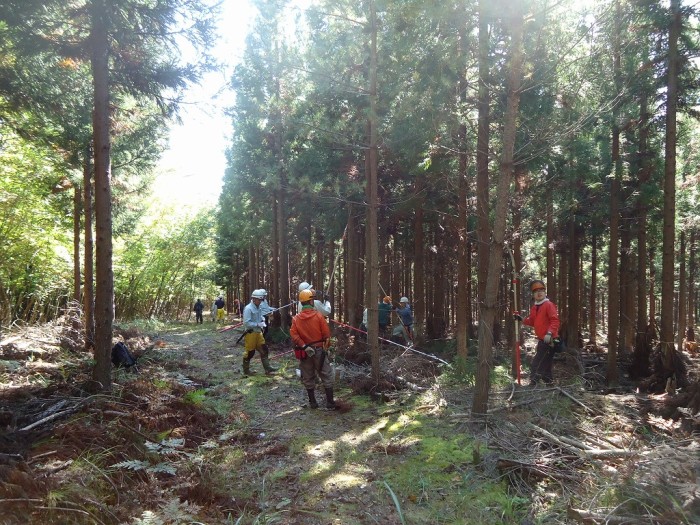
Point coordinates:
[[190, 439]]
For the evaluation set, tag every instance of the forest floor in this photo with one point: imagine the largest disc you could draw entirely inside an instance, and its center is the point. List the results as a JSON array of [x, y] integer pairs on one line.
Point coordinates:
[[189, 439]]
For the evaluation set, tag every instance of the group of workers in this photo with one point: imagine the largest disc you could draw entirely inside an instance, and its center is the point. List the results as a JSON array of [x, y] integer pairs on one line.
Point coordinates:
[[218, 314], [311, 334]]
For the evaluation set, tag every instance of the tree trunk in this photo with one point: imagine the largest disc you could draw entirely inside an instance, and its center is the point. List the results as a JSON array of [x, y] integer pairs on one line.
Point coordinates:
[[371, 250], [461, 328], [591, 293], [482, 153], [669, 214], [88, 286], [642, 348], [613, 246], [77, 209], [353, 274], [308, 274], [518, 264], [692, 275], [320, 250], [104, 296], [275, 249], [626, 286], [574, 311], [552, 287], [419, 300], [490, 306], [563, 249], [682, 292], [283, 272]]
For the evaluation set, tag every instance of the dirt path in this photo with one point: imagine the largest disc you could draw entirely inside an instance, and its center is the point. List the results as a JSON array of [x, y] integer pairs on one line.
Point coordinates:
[[293, 456]]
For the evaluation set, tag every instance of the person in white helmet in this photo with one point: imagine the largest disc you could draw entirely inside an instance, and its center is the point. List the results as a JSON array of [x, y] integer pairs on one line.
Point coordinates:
[[323, 307], [266, 310], [406, 317], [254, 340]]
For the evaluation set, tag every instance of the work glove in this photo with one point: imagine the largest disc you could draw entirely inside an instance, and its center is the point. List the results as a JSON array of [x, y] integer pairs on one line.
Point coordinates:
[[547, 338], [310, 350], [518, 317], [262, 324]]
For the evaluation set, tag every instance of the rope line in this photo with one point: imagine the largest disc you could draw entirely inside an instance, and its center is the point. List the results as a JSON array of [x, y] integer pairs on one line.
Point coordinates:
[[409, 348]]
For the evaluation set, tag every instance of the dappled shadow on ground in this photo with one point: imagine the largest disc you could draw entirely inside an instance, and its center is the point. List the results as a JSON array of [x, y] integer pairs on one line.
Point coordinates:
[[154, 449]]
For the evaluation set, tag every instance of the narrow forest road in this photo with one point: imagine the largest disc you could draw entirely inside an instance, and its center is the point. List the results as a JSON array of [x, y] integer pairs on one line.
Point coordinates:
[[292, 464]]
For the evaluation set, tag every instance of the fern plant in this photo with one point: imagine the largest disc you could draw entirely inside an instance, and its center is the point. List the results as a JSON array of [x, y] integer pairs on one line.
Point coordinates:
[[166, 447]]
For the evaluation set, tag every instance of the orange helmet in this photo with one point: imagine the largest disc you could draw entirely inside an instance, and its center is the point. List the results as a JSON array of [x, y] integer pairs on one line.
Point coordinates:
[[305, 295], [387, 299], [537, 285]]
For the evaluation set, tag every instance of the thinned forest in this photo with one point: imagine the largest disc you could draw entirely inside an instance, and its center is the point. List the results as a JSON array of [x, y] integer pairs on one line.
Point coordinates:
[[449, 153]]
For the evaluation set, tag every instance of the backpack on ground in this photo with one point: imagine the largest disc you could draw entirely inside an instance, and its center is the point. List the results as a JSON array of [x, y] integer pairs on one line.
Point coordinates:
[[122, 358]]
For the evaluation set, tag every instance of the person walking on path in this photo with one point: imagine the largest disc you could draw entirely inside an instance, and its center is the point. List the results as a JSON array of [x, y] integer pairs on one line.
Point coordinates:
[[545, 320], [254, 340], [406, 316], [220, 313], [198, 309], [311, 337]]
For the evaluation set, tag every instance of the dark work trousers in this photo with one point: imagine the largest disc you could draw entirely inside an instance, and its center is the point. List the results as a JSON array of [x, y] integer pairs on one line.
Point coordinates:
[[541, 369]]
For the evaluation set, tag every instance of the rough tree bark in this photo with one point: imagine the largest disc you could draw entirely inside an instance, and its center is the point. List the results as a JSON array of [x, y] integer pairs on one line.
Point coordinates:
[[104, 289], [490, 306], [669, 214]]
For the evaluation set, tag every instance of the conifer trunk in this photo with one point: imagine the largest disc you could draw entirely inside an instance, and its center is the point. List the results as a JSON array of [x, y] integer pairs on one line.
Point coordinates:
[[371, 254], [482, 152], [419, 299], [77, 209], [669, 213], [104, 289], [88, 266], [592, 328], [613, 245], [490, 306]]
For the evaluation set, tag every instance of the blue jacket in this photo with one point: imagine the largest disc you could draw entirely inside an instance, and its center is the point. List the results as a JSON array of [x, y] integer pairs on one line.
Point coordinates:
[[406, 314]]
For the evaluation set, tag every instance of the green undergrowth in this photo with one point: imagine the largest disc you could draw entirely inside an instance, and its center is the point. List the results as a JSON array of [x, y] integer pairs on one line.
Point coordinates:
[[438, 475], [395, 462]]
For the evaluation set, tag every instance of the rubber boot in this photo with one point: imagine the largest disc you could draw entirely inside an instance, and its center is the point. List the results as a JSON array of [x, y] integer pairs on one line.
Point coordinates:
[[330, 403], [246, 368], [312, 398], [264, 353]]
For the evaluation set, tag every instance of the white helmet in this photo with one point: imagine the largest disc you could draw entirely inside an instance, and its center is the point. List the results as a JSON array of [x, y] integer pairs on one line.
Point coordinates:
[[257, 294], [403, 300], [304, 286], [263, 291]]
